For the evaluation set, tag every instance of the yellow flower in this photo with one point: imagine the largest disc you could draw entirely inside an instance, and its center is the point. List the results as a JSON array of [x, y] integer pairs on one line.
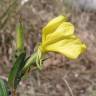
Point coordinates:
[[58, 36]]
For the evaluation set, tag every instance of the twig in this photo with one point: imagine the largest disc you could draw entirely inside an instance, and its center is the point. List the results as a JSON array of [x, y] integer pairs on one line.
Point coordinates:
[[14, 92], [68, 86]]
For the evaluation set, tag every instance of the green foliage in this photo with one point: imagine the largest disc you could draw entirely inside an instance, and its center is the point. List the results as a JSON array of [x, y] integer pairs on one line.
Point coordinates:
[[16, 72], [63, 33], [19, 62], [3, 88], [20, 37]]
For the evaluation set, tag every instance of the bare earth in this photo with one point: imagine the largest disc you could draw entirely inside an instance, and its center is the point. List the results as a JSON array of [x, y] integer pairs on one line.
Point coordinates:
[[80, 74]]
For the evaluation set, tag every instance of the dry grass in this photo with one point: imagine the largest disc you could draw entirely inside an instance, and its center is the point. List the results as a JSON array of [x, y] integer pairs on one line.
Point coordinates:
[[81, 73]]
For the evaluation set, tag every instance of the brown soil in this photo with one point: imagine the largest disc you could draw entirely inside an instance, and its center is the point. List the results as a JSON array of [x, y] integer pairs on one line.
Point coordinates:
[[80, 74]]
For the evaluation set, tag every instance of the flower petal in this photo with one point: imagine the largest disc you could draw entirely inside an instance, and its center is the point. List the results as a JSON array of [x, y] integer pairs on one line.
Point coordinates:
[[70, 47], [64, 30], [52, 25]]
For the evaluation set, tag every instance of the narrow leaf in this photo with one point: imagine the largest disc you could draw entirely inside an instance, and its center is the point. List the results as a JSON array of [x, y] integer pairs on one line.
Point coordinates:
[[20, 36], [3, 88], [15, 71]]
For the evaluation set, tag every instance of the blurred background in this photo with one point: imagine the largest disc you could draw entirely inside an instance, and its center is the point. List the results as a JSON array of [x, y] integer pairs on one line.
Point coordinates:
[[80, 73]]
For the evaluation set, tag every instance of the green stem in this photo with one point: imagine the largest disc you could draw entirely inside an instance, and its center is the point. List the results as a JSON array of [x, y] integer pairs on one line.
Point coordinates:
[[20, 36], [30, 61]]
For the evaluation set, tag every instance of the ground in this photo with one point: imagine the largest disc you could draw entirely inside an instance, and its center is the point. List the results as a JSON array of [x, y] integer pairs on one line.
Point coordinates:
[[80, 74]]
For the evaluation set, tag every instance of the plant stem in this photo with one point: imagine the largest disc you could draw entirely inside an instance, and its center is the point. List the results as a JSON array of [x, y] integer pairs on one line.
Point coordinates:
[[20, 36], [30, 61], [14, 92]]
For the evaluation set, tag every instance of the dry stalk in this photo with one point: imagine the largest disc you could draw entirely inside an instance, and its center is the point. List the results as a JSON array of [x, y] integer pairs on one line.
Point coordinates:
[[68, 86]]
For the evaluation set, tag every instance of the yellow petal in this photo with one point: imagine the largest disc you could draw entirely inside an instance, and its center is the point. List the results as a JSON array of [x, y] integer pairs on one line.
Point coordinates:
[[64, 30], [70, 47], [52, 25]]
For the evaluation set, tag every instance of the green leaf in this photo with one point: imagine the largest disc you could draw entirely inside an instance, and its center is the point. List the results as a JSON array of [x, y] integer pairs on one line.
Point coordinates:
[[15, 74], [3, 88], [20, 36]]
